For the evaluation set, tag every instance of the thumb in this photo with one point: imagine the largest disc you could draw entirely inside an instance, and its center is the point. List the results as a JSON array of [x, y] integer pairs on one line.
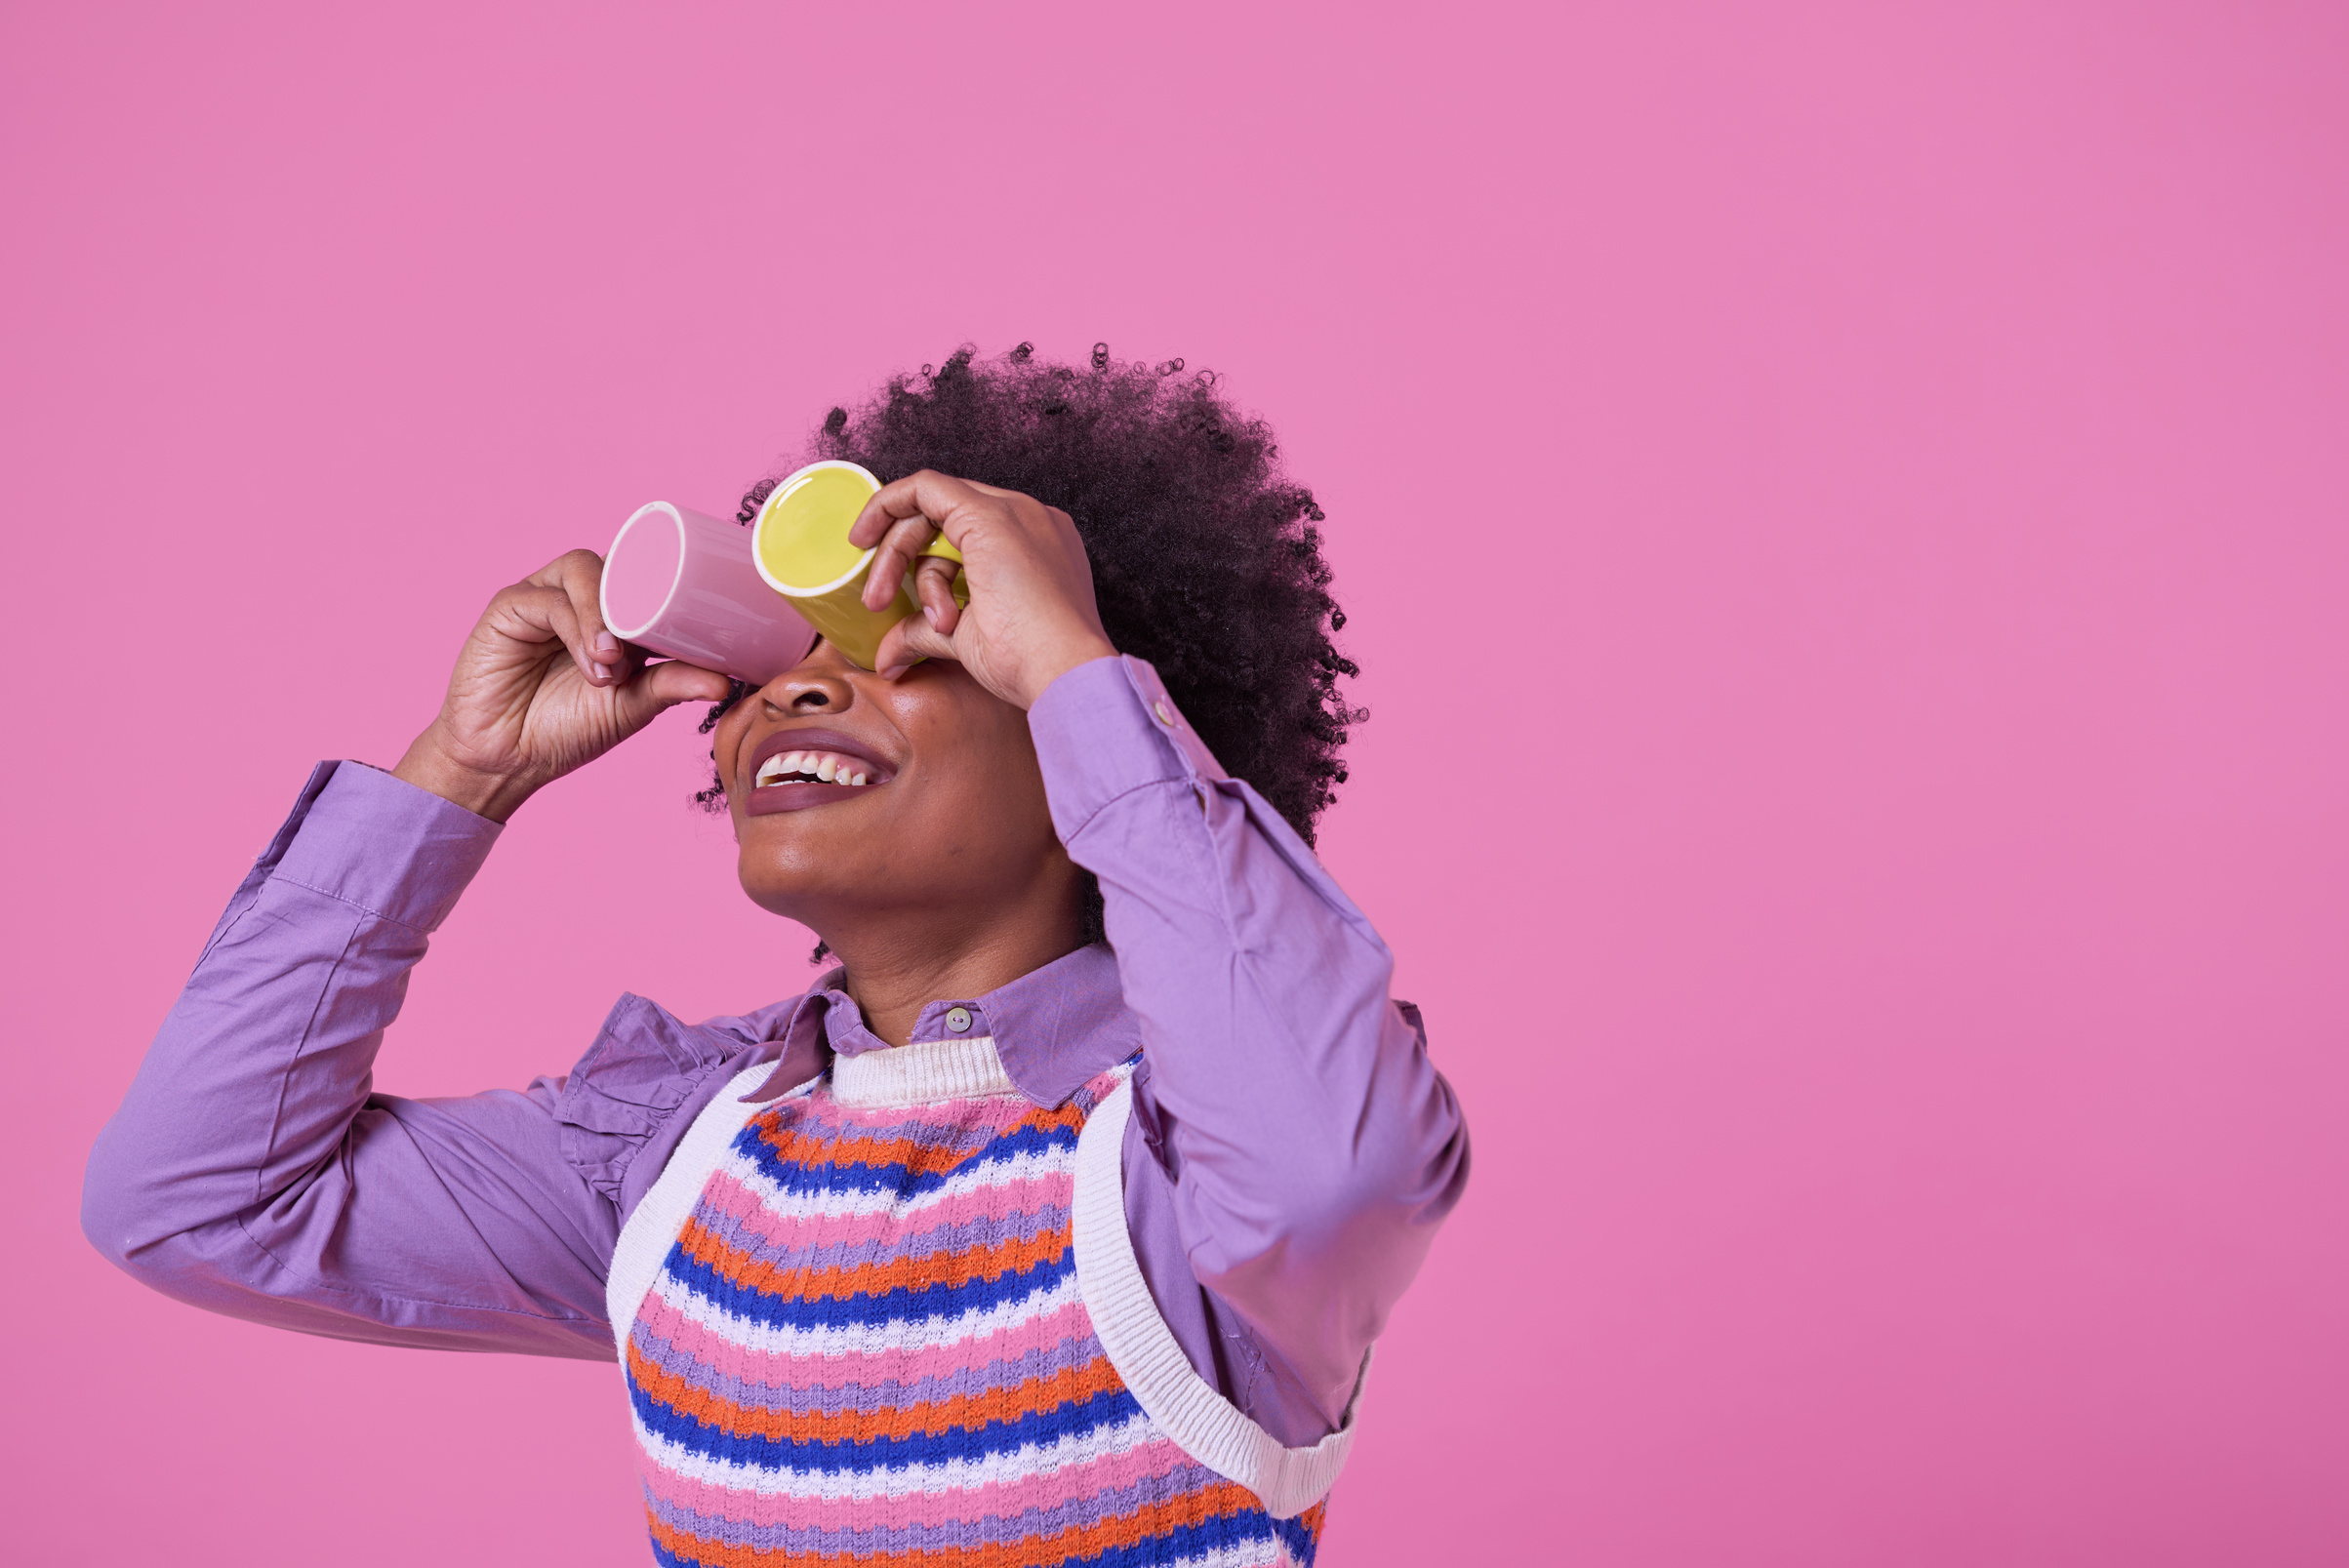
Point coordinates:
[[662, 686], [911, 639]]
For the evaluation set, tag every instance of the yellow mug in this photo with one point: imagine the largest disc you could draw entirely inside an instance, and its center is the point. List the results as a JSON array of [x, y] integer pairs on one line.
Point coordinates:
[[800, 545]]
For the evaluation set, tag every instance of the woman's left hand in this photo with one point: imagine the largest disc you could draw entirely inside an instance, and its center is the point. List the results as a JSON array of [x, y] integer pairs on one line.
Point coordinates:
[[1031, 615]]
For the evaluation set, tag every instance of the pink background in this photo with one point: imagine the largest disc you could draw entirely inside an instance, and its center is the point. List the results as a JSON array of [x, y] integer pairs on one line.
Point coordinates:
[[1843, 516]]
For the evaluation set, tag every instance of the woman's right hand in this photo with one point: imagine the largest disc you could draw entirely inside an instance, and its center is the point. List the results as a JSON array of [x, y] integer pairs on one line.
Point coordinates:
[[541, 687]]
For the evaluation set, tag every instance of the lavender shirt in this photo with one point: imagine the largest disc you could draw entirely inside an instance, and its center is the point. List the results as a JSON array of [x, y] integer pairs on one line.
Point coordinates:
[[1291, 1153]]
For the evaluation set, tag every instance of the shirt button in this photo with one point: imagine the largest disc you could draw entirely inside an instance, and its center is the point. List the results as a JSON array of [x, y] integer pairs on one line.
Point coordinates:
[[960, 1020], [1165, 714]]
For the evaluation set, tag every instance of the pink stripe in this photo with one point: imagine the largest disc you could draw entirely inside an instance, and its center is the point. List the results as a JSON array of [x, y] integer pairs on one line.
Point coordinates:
[[732, 1197], [1006, 1499], [821, 1115], [896, 1364]]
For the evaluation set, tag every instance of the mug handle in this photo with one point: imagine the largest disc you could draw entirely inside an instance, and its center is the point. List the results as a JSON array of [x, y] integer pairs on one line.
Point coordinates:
[[961, 586]]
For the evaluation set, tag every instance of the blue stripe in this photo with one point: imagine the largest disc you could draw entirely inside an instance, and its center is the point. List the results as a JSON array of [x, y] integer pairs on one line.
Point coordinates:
[[1109, 1408], [893, 1176], [898, 1303], [1183, 1544]]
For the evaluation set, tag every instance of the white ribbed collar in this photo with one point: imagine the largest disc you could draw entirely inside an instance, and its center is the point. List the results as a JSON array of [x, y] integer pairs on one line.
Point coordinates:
[[921, 1073], [1056, 1028]]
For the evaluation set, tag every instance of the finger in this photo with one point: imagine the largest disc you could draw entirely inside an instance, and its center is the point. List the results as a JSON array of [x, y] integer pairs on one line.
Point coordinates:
[[910, 640], [927, 493], [580, 575], [530, 612], [934, 591], [900, 544]]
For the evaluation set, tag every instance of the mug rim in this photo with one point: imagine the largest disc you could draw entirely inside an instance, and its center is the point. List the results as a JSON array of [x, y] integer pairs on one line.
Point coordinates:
[[793, 481], [604, 587]]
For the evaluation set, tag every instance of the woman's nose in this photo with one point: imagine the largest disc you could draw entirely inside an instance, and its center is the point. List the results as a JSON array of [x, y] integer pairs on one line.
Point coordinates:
[[817, 684]]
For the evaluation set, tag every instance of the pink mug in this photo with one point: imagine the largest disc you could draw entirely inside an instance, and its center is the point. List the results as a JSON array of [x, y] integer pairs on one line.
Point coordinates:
[[681, 583]]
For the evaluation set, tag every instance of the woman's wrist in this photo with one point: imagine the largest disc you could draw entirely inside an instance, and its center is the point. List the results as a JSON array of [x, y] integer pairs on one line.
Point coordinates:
[[1064, 655], [429, 765]]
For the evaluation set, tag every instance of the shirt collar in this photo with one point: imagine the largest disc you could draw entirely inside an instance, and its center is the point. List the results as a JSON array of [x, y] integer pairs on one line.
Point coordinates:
[[1055, 1028]]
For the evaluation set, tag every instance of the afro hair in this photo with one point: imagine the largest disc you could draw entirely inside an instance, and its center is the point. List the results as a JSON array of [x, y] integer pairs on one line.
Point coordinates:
[[1206, 557]]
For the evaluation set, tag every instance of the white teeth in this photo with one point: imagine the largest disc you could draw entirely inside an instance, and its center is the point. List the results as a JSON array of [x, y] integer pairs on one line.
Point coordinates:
[[833, 770]]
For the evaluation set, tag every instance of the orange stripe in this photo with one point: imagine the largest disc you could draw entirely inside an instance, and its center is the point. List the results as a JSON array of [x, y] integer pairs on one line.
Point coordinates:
[[967, 1411], [1221, 1499], [960, 1266], [827, 1148]]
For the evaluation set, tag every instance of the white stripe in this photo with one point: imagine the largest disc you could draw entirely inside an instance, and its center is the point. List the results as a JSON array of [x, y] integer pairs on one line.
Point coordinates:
[[914, 1334], [1245, 1554], [1206, 1426], [881, 1481], [922, 1074], [645, 1240]]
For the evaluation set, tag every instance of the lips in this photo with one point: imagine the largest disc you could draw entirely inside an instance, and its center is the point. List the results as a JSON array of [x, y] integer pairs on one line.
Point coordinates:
[[793, 769]]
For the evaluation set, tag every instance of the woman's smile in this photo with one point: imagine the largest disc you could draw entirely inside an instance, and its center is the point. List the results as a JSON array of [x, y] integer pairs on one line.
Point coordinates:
[[803, 766]]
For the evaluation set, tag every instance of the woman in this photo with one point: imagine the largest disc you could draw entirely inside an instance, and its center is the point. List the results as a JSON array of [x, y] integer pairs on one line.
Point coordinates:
[[1056, 1220]]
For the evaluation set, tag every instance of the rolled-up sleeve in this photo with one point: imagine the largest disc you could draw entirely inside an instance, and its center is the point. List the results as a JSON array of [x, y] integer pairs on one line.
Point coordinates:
[[251, 1171], [1311, 1144]]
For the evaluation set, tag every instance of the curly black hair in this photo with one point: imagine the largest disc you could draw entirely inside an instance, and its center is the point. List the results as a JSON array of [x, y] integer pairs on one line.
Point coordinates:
[[1206, 558]]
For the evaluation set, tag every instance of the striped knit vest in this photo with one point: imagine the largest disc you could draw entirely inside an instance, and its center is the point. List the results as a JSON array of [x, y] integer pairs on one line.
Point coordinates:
[[895, 1315]]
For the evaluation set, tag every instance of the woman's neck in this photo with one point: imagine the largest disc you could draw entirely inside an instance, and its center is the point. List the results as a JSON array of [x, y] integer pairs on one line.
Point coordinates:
[[899, 965]]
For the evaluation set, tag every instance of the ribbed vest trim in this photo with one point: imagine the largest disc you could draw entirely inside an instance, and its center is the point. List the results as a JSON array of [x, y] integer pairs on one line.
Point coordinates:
[[1186, 1407], [660, 1214], [921, 1073]]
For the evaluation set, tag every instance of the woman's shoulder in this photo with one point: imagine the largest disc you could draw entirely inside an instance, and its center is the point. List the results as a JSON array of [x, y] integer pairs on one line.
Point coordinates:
[[642, 1081]]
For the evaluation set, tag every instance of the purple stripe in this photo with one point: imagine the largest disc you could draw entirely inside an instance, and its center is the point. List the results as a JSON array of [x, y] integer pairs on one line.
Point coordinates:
[[748, 1394], [987, 1231], [965, 1534]]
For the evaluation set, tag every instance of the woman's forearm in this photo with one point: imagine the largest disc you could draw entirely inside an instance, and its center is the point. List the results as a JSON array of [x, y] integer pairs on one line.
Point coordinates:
[[1314, 1145], [249, 1169]]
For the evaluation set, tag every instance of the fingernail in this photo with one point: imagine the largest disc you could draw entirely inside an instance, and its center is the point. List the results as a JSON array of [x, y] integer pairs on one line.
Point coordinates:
[[608, 645], [894, 671], [603, 673], [929, 613]]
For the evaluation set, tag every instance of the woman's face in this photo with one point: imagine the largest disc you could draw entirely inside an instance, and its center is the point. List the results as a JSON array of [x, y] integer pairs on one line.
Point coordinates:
[[950, 818]]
